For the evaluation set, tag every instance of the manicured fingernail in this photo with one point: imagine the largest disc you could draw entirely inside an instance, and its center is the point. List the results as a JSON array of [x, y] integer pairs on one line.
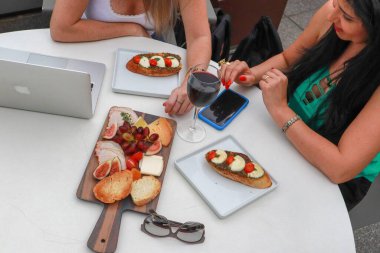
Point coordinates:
[[228, 82], [164, 104], [242, 78], [223, 82]]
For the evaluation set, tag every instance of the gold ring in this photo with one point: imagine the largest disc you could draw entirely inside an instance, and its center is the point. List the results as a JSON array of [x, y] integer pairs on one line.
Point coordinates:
[[265, 77], [222, 62], [179, 102]]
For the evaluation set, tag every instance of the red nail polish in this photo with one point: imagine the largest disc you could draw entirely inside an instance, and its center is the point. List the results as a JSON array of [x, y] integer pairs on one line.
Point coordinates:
[[229, 83], [223, 82], [242, 78], [164, 104]]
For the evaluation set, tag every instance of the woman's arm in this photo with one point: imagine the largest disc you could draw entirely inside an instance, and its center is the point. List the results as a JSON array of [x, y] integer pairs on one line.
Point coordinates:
[[198, 41], [66, 24], [316, 28], [359, 144]]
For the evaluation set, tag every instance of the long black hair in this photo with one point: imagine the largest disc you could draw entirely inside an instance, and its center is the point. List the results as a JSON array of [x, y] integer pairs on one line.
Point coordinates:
[[356, 83]]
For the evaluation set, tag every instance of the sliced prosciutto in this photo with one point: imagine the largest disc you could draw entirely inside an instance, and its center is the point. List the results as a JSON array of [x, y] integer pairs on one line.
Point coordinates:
[[107, 150], [116, 113]]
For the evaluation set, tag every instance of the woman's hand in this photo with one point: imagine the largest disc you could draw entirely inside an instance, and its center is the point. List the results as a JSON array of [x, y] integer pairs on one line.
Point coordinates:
[[237, 71], [178, 102], [274, 85]]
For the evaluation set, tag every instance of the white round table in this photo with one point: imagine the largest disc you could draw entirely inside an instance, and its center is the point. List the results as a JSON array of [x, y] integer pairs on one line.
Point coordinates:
[[43, 158]]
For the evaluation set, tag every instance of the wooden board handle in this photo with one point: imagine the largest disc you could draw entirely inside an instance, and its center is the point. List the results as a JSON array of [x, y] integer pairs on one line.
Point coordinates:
[[105, 235]]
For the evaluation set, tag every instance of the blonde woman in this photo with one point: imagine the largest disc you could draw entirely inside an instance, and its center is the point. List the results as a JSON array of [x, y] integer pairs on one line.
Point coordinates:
[[92, 20]]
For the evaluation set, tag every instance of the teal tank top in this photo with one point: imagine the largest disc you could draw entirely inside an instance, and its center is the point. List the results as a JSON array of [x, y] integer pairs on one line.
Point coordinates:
[[309, 98]]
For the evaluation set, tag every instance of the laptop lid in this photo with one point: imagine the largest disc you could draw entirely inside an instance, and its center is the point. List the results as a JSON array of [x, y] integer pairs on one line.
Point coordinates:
[[45, 89], [14, 6]]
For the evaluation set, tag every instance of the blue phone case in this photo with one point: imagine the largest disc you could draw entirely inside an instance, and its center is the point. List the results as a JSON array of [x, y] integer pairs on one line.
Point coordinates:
[[221, 127]]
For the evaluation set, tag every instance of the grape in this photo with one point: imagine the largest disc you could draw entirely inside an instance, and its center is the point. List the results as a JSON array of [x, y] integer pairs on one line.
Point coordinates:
[[140, 145], [118, 139], [128, 137], [153, 137], [146, 146], [131, 149], [123, 129], [125, 146], [133, 129], [146, 132], [139, 136], [126, 124], [140, 130]]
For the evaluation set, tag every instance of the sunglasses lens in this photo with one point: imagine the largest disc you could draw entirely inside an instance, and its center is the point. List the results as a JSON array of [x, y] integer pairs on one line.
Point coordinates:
[[190, 233], [156, 227]]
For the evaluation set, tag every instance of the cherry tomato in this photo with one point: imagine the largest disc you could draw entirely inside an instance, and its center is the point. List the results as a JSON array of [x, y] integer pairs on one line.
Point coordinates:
[[168, 62], [136, 174], [230, 160], [153, 62], [249, 167], [131, 164], [136, 59], [137, 156], [211, 155]]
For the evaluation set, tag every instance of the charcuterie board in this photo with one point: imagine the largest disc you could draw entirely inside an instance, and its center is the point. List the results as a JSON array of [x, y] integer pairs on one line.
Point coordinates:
[[104, 237]]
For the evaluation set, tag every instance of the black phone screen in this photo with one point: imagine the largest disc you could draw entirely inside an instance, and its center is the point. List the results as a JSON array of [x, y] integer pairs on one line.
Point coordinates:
[[224, 107]]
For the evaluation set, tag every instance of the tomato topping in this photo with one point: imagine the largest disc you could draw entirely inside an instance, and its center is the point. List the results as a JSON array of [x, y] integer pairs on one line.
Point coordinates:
[[168, 62], [249, 167], [137, 156], [211, 155], [131, 163], [153, 62], [136, 174], [136, 59], [230, 160]]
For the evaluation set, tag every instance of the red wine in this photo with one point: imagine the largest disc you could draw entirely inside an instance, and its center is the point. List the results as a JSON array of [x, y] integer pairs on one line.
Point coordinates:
[[202, 88]]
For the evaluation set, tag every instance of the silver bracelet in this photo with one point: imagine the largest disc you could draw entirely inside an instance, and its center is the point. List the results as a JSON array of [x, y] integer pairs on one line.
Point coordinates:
[[290, 122]]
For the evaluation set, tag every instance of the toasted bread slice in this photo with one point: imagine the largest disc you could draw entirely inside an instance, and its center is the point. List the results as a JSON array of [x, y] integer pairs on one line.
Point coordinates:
[[114, 188], [258, 178], [153, 70], [145, 190], [163, 128]]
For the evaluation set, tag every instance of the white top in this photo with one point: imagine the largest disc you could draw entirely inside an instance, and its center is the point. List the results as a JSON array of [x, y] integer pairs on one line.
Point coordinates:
[[43, 158], [102, 10]]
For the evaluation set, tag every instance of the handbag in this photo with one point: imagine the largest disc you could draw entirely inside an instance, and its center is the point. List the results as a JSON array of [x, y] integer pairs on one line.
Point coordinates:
[[262, 43], [221, 36]]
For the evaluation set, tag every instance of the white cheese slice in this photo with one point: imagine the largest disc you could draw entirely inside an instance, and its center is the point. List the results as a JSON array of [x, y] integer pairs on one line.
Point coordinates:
[[175, 62], [151, 165], [144, 61], [258, 172], [238, 164], [220, 157], [160, 61]]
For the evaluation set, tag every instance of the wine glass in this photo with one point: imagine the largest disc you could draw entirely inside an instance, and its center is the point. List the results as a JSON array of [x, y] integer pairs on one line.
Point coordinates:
[[203, 85]]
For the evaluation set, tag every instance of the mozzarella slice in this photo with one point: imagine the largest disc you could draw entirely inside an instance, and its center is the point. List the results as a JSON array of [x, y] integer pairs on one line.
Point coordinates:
[[220, 157], [175, 62], [151, 165], [144, 61], [238, 164], [257, 172], [160, 61]]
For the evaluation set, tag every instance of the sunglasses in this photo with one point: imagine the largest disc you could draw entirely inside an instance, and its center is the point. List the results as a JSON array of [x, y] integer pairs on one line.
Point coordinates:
[[158, 226]]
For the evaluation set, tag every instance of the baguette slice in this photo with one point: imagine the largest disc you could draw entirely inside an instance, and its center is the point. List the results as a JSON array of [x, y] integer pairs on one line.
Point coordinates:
[[154, 71], [114, 188], [145, 190], [242, 177]]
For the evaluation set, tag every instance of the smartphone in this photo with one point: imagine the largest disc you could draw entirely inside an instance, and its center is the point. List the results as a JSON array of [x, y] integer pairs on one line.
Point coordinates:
[[224, 109]]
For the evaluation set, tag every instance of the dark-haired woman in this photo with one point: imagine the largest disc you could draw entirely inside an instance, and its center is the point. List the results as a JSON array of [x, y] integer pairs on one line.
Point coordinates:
[[328, 103]]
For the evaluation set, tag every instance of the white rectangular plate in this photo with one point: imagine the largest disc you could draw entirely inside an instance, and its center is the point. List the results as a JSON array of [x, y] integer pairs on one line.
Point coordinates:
[[125, 81], [223, 195]]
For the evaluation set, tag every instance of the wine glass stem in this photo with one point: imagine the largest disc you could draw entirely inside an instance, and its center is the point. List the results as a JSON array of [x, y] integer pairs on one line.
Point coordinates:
[[195, 117]]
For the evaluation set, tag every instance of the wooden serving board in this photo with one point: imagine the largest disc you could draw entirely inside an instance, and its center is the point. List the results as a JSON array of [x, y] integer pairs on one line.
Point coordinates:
[[105, 235]]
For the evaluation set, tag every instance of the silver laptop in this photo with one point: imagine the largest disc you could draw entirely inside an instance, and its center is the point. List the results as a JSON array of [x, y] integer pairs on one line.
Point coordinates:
[[14, 6], [49, 84]]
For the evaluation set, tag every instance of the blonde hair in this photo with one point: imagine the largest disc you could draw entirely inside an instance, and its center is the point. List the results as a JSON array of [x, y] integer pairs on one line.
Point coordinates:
[[163, 12]]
